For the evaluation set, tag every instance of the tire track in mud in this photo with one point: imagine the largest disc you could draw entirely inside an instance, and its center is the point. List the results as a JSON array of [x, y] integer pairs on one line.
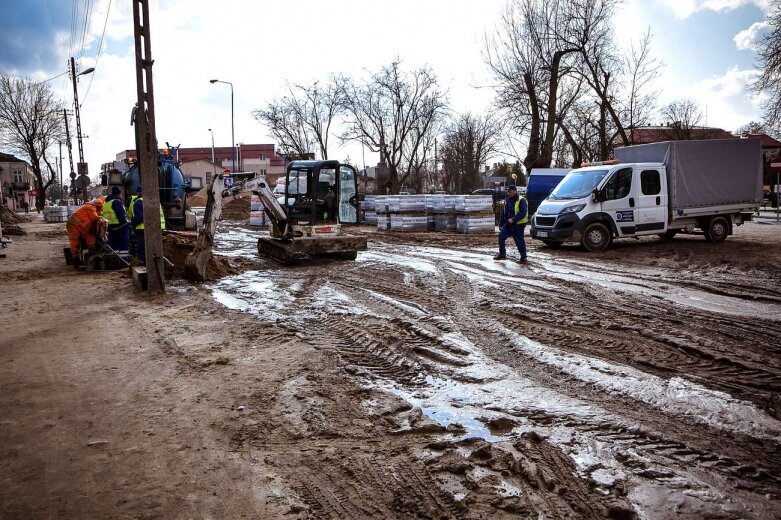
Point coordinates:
[[470, 311], [719, 281], [647, 439], [677, 343], [360, 486], [403, 338]]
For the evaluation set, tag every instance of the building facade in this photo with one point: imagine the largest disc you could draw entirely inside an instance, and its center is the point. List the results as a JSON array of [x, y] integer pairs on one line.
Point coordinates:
[[197, 162], [16, 180]]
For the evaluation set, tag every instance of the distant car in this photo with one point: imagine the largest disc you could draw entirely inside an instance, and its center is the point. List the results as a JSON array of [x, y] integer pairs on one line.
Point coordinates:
[[483, 191]]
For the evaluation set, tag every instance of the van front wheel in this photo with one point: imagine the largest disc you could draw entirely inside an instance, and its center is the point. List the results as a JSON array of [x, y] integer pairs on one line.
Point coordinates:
[[596, 237]]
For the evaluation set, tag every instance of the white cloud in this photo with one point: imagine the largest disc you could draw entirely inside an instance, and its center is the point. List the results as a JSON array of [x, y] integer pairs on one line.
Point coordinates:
[[259, 46], [728, 105], [746, 39], [685, 8]]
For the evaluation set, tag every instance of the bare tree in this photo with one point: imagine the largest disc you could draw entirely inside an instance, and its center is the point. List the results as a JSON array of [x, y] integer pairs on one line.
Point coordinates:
[[684, 117], [469, 142], [31, 124], [393, 113], [539, 43], [642, 69], [752, 127], [303, 119], [769, 64]]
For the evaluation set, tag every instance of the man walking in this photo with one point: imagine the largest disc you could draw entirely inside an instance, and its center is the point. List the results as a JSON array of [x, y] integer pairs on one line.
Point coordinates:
[[513, 223]]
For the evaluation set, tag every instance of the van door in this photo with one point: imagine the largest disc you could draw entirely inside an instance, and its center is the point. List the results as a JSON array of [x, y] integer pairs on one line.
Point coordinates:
[[652, 202], [348, 195], [619, 200]]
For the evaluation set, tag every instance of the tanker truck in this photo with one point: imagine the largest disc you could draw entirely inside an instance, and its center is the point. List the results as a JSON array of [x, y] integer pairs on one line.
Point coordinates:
[[174, 189]]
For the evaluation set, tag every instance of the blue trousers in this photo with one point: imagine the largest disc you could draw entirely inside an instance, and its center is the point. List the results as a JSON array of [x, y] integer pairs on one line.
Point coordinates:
[[515, 231], [140, 246], [118, 237]]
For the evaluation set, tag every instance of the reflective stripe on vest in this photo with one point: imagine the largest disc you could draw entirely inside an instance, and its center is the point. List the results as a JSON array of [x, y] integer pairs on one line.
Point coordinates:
[[133, 199], [525, 218], [162, 217], [109, 214]]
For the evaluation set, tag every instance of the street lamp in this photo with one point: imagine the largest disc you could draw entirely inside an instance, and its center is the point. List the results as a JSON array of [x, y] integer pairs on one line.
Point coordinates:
[[233, 140], [82, 169], [214, 166]]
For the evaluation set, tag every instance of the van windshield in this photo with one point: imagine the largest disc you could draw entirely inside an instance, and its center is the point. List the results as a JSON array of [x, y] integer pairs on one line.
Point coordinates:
[[577, 184]]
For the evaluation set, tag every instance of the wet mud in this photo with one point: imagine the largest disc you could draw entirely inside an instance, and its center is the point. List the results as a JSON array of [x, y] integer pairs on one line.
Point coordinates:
[[639, 382]]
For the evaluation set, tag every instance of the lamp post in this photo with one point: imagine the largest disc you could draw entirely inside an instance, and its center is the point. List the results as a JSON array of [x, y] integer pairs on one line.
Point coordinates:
[[214, 166], [81, 169], [233, 139]]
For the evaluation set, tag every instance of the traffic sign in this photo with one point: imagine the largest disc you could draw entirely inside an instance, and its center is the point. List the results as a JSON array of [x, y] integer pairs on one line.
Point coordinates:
[[82, 182]]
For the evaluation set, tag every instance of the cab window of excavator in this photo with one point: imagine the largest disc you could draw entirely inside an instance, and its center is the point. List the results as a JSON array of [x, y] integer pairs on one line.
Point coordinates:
[[326, 180], [296, 183], [348, 213]]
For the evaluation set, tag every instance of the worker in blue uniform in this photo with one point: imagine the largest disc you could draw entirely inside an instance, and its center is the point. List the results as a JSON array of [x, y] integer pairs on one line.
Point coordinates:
[[118, 226], [512, 223], [137, 223]]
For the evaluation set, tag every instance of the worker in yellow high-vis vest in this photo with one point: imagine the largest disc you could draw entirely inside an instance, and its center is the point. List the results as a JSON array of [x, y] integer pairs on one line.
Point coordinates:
[[137, 221], [513, 223]]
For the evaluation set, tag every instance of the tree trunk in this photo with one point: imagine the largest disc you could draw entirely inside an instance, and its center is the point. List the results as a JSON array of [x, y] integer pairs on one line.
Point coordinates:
[[533, 151]]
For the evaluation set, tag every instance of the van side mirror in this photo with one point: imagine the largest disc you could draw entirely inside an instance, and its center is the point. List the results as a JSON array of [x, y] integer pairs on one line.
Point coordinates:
[[596, 195]]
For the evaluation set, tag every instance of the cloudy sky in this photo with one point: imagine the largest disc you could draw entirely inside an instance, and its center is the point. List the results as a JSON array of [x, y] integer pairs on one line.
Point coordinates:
[[706, 46]]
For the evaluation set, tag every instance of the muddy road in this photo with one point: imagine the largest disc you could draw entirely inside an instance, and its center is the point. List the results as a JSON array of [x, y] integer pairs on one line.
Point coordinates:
[[643, 380], [423, 380]]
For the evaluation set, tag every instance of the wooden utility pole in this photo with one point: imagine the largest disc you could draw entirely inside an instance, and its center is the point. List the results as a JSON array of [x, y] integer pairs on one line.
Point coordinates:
[[147, 144], [70, 154]]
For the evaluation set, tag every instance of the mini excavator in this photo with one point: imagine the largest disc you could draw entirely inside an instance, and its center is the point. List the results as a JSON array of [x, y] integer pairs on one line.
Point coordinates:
[[320, 197]]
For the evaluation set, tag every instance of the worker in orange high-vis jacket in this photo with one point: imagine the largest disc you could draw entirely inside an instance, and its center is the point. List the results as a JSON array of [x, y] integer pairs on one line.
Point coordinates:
[[81, 224]]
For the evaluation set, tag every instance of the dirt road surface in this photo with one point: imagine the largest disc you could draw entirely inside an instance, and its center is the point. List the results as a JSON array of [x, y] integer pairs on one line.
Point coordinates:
[[424, 380]]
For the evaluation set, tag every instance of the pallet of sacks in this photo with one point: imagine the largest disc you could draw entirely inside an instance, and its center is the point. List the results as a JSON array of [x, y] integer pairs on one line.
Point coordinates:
[[257, 213], [368, 205], [55, 214], [441, 211], [408, 222], [381, 211], [474, 214]]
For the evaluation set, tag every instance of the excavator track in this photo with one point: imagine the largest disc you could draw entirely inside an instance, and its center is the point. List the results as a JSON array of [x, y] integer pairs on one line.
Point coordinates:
[[290, 251]]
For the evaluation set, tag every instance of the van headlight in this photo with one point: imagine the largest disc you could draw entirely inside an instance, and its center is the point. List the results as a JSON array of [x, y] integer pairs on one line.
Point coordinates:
[[572, 209]]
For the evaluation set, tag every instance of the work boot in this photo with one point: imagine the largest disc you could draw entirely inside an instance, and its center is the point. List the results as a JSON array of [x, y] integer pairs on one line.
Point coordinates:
[[523, 261], [500, 257]]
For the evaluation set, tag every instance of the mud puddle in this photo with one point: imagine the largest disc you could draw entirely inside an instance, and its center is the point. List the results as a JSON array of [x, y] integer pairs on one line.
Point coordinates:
[[425, 324]]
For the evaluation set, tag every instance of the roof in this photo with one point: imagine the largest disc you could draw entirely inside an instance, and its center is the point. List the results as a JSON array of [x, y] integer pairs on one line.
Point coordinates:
[[655, 134], [5, 157], [767, 141]]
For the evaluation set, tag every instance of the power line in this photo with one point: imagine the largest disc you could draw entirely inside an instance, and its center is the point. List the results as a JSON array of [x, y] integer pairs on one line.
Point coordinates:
[[39, 82], [100, 48]]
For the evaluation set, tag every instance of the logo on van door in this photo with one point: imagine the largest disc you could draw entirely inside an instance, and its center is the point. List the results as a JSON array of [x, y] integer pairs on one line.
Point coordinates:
[[625, 216]]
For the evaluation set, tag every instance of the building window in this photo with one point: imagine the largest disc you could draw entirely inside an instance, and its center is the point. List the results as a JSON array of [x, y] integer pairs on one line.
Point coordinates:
[[18, 176], [208, 178], [262, 157], [263, 171]]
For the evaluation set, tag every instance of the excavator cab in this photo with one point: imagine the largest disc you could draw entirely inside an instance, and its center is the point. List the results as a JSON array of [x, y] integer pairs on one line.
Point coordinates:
[[319, 198], [321, 192]]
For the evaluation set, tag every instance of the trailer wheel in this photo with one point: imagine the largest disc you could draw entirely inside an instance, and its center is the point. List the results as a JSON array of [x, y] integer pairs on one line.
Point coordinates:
[[717, 230], [553, 244], [596, 237]]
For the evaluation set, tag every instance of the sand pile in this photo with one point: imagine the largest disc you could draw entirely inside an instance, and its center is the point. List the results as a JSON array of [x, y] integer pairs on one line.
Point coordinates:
[[178, 245]]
